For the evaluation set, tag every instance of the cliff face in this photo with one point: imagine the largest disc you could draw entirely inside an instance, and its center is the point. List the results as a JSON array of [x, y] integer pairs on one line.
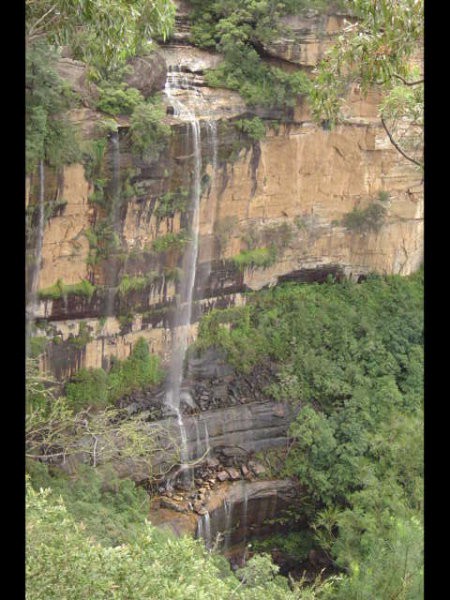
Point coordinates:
[[290, 192]]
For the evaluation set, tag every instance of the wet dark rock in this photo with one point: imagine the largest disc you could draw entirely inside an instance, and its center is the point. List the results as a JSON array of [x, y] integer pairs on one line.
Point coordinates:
[[223, 476]]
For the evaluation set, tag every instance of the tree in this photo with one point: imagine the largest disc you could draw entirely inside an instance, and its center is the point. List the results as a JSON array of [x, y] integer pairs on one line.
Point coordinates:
[[105, 32], [378, 49], [49, 135]]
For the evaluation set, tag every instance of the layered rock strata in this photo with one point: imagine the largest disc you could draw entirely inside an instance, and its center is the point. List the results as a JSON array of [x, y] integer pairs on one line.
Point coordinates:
[[290, 191]]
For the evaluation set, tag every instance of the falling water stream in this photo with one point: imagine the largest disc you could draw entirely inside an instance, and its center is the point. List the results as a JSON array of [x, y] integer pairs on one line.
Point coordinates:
[[228, 508], [174, 84], [244, 510], [115, 213], [32, 303]]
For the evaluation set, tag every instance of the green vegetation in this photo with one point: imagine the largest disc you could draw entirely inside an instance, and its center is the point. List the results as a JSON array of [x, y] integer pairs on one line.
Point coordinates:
[[372, 53], [102, 34], [95, 387], [50, 137], [37, 345], [111, 509], [82, 338], [257, 83], [366, 219], [84, 289], [351, 357], [152, 564], [254, 128], [88, 387], [118, 99], [238, 30], [259, 257], [171, 203], [129, 283], [103, 240], [296, 544], [170, 241], [147, 131]]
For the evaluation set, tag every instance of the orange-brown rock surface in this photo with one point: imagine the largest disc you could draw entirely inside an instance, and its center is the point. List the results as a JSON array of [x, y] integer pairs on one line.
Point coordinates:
[[298, 182]]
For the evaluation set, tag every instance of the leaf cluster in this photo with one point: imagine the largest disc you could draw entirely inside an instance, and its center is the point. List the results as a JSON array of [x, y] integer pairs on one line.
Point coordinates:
[[50, 137]]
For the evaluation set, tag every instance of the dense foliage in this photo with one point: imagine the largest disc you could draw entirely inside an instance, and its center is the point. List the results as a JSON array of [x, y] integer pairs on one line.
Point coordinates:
[[49, 135], [239, 30], [63, 562], [95, 387], [350, 357], [103, 33], [371, 53]]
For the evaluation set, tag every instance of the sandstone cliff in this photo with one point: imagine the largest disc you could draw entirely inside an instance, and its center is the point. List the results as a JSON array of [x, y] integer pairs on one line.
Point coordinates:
[[290, 192]]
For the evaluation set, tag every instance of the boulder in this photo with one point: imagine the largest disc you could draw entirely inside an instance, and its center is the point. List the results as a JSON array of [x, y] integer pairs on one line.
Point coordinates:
[[257, 468], [74, 73], [233, 473], [172, 505], [147, 73]]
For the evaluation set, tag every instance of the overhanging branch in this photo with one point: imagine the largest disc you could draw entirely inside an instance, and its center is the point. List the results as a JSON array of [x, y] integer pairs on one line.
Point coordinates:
[[397, 147]]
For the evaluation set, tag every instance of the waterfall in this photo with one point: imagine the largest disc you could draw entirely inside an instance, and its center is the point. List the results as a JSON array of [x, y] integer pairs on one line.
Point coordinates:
[[244, 511], [228, 508], [213, 143], [204, 529], [32, 303], [207, 534], [184, 304], [207, 446], [198, 442], [115, 213]]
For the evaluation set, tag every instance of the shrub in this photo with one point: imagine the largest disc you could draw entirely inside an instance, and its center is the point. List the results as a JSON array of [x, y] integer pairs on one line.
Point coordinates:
[[118, 99], [88, 387], [140, 370], [37, 345], [60, 290], [82, 338], [170, 241], [147, 130], [259, 257], [365, 219], [171, 203], [131, 284], [255, 128]]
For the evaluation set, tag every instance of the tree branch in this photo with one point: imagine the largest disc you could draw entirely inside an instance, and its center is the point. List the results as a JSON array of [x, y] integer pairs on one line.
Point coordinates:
[[397, 147], [34, 27], [403, 80]]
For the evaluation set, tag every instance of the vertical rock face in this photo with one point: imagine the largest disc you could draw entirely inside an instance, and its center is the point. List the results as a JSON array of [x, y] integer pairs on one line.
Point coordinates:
[[287, 195]]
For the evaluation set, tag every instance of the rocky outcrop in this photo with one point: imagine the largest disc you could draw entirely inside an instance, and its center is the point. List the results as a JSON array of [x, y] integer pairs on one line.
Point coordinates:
[[74, 72], [236, 512], [308, 36], [148, 73]]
